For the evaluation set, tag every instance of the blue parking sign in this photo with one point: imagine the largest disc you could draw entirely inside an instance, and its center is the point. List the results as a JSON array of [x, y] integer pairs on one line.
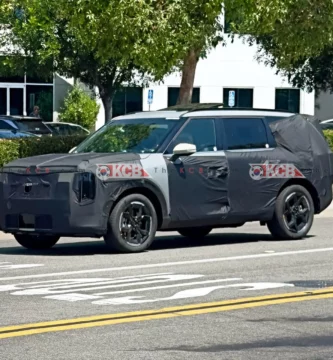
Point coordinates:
[[150, 96]]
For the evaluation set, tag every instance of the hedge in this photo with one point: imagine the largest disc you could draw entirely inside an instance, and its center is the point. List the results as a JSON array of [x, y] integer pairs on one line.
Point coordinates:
[[25, 147], [20, 148]]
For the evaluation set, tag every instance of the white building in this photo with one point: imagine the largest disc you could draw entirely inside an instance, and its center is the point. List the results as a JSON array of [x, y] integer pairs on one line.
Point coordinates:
[[226, 68]]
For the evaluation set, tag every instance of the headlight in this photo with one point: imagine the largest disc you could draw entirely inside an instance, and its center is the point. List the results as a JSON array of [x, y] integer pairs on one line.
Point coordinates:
[[85, 186]]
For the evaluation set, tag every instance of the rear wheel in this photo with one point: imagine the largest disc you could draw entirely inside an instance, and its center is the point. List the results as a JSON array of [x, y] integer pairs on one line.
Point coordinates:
[[294, 213], [132, 225], [36, 241], [195, 233]]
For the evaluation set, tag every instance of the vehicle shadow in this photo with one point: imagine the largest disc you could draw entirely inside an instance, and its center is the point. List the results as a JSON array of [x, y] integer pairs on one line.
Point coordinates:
[[89, 247]]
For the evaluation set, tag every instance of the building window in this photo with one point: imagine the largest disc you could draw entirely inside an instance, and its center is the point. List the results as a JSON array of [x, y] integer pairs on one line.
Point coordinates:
[[41, 96], [127, 100], [243, 98], [245, 134], [173, 94], [287, 100]]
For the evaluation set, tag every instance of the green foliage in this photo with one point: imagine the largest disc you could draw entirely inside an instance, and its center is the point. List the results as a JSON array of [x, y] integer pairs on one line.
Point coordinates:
[[9, 151], [20, 148], [79, 108], [329, 137]]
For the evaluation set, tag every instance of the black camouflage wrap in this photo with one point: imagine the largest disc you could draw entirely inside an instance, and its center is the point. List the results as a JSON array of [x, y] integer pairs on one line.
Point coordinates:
[[205, 189], [55, 198]]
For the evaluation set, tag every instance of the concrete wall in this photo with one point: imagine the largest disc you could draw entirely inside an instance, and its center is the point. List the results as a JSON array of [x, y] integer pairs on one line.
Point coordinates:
[[61, 88], [324, 106]]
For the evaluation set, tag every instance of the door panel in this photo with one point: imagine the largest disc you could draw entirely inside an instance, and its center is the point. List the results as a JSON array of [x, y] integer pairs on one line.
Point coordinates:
[[199, 189], [250, 197], [248, 148]]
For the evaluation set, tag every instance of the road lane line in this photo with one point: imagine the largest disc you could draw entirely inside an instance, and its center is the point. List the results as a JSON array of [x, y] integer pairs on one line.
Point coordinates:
[[178, 263], [185, 310]]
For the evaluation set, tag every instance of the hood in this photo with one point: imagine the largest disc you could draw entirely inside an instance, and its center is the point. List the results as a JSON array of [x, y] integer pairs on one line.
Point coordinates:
[[66, 162]]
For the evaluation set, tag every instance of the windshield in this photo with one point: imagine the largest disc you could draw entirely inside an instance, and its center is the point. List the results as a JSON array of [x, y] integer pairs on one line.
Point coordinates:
[[36, 127], [135, 135]]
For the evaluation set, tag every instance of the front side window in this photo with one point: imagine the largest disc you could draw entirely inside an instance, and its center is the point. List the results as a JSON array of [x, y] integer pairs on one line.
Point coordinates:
[[245, 134], [199, 132], [135, 135]]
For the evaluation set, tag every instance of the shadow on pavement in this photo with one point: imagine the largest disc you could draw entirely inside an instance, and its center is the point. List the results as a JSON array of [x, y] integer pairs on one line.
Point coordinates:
[[162, 242], [290, 342]]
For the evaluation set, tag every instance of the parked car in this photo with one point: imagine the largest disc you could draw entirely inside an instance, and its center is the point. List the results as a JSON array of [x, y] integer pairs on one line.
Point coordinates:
[[25, 123], [14, 134], [188, 171], [65, 129], [327, 124]]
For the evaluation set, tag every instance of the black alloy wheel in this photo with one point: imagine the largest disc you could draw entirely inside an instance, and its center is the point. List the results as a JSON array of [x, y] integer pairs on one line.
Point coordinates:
[[132, 224], [293, 214], [135, 223], [296, 212]]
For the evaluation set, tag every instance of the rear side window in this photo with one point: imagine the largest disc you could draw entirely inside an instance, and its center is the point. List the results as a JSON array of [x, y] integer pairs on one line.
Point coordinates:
[[36, 127], [245, 134], [5, 126]]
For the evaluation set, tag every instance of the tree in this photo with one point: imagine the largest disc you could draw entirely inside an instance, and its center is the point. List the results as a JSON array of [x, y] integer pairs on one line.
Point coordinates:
[[111, 43], [79, 108], [300, 44], [105, 44]]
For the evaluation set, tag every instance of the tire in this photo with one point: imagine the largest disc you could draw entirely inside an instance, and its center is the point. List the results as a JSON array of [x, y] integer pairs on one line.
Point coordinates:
[[195, 233], [36, 242], [278, 226], [122, 214]]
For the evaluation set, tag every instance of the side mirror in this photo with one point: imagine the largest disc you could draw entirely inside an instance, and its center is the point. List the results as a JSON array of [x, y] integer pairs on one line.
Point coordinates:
[[183, 150], [72, 150]]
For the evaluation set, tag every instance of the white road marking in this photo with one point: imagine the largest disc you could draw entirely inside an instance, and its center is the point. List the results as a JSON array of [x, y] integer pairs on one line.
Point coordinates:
[[69, 282], [108, 284], [79, 297], [10, 266], [178, 263], [188, 294]]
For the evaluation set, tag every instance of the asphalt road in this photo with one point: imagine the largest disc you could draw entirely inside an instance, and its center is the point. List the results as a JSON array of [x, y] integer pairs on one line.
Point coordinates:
[[235, 295]]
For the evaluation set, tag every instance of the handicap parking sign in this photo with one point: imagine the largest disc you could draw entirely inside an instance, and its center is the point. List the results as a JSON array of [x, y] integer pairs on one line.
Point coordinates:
[[231, 100]]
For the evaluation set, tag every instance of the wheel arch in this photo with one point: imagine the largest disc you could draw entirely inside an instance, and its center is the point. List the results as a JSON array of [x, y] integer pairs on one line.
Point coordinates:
[[153, 194], [308, 186]]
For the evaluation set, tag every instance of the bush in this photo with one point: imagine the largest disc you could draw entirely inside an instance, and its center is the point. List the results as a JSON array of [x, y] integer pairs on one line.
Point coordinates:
[[20, 148], [329, 137], [79, 108]]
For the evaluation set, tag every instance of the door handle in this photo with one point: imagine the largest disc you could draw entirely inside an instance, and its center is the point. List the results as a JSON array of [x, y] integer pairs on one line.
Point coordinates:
[[218, 172]]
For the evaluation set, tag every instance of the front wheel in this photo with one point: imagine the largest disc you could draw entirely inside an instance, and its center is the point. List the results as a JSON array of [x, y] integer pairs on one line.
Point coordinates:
[[36, 242], [294, 213], [132, 225], [195, 233]]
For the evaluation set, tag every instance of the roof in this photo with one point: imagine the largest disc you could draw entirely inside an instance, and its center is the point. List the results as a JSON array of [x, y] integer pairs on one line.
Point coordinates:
[[202, 109], [60, 123], [152, 115], [17, 117]]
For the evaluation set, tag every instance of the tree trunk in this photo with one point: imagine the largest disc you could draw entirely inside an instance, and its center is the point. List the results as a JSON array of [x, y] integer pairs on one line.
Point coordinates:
[[188, 75], [107, 103]]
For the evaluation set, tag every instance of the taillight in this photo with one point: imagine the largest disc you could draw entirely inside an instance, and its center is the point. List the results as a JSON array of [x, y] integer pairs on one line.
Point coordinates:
[[85, 186]]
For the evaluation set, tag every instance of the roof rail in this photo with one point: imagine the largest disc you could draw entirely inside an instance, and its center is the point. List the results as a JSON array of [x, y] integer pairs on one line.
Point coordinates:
[[217, 106]]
